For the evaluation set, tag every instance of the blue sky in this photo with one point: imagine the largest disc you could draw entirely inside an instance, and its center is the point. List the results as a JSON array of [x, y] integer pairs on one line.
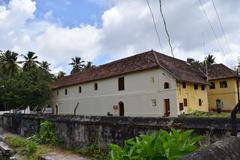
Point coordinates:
[[70, 13], [106, 30]]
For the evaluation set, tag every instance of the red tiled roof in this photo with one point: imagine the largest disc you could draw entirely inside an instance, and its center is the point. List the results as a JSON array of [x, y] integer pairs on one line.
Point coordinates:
[[220, 71], [148, 60]]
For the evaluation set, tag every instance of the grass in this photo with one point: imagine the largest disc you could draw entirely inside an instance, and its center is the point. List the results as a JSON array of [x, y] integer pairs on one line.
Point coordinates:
[[26, 149], [212, 114]]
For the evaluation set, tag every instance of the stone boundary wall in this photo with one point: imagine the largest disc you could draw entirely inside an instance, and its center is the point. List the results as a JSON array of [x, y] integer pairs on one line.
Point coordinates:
[[228, 149], [78, 131]]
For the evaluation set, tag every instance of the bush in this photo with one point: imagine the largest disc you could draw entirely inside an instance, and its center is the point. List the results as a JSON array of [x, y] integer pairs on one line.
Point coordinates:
[[93, 151], [161, 145], [25, 148], [15, 141], [46, 134]]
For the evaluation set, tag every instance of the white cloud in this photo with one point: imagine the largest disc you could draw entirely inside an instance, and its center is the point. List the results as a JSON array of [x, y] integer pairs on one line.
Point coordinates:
[[127, 29]]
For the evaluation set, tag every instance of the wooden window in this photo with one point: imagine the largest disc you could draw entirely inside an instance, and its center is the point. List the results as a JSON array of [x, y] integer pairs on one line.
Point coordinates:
[[212, 85], [66, 91], [121, 83], [95, 86], [200, 102], [166, 85], [223, 84], [195, 86], [184, 84], [185, 102], [181, 106], [79, 89], [203, 87]]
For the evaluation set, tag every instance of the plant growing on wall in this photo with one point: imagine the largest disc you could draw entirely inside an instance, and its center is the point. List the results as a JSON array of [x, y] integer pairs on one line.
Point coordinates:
[[46, 134], [161, 145]]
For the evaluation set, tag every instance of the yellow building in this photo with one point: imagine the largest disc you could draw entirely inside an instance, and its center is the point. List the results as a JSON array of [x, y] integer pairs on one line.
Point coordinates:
[[192, 96], [222, 90]]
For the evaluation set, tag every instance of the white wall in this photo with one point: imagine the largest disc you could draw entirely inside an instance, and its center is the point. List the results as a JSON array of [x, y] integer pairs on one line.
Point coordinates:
[[140, 89]]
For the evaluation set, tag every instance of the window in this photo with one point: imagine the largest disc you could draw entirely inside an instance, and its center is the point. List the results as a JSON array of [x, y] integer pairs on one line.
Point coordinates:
[[121, 83], [180, 106], [223, 84], [66, 92], [195, 86], [79, 89], [166, 85], [57, 92], [154, 102], [203, 87], [95, 86], [212, 85], [185, 102], [200, 102], [184, 85]]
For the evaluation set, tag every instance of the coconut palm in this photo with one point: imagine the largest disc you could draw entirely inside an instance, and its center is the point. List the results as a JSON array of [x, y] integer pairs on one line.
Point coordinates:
[[77, 64], [45, 66], [89, 65], [30, 61], [8, 62], [209, 60], [60, 74]]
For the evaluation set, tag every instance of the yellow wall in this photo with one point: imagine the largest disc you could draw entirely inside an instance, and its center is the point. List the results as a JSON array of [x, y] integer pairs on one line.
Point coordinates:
[[192, 96], [227, 95]]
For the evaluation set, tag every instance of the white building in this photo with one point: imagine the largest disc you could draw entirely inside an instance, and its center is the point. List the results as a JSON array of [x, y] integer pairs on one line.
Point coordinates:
[[140, 85]]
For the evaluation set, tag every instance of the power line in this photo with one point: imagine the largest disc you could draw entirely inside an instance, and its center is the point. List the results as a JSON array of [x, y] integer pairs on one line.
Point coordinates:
[[154, 23], [165, 27], [221, 26], [209, 23]]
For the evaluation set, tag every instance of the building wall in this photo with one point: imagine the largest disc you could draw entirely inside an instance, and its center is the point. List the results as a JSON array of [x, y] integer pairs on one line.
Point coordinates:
[[192, 97], [227, 95], [141, 89]]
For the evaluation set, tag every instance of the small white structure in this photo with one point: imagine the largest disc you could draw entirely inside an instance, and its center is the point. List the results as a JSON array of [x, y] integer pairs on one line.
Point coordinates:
[[141, 85]]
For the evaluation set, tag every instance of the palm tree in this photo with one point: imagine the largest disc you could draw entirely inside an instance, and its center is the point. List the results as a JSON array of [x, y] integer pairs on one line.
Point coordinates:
[[8, 62], [89, 65], [45, 66], [194, 62], [60, 74], [30, 61], [209, 60], [77, 64]]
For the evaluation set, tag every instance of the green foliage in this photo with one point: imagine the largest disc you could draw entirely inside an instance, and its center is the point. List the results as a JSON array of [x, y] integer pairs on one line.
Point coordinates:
[[93, 151], [26, 88], [46, 134], [25, 148], [15, 141], [207, 114], [161, 145]]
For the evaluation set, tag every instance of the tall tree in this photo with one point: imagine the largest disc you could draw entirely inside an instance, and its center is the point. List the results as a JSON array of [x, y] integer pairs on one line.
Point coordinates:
[[89, 65], [60, 74], [77, 64], [30, 61], [29, 88], [209, 60], [45, 66], [8, 63], [194, 62]]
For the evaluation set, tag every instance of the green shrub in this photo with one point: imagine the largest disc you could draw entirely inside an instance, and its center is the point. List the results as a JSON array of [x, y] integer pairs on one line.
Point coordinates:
[[15, 141], [161, 145], [46, 134], [28, 149], [93, 151], [31, 147]]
